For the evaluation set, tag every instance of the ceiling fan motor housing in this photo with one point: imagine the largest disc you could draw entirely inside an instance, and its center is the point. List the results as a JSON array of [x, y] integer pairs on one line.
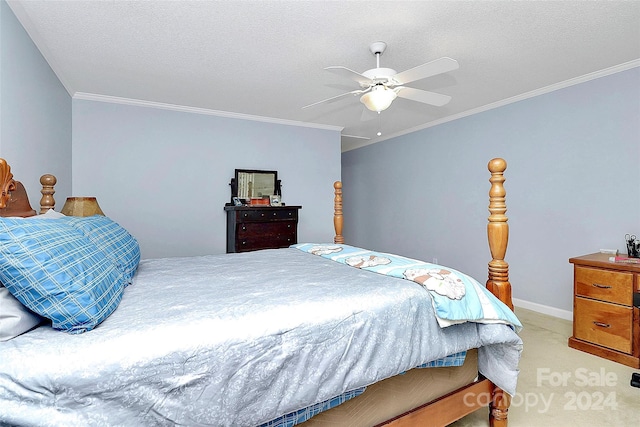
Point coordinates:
[[378, 75]]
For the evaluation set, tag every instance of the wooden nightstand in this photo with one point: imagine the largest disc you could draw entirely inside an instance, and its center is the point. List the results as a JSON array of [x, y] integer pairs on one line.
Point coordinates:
[[268, 227], [605, 322]]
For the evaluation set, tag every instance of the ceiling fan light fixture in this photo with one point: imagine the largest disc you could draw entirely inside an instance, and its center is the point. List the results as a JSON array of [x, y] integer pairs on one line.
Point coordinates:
[[379, 98]]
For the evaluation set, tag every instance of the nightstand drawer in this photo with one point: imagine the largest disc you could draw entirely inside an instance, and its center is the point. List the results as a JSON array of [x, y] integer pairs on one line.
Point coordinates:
[[604, 285], [604, 324]]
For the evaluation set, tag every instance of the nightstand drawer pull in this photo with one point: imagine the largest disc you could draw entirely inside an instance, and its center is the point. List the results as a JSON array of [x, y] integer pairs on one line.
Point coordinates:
[[602, 325], [598, 285]]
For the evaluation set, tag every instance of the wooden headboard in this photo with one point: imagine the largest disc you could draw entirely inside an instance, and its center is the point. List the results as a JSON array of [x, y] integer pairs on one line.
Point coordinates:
[[13, 198]]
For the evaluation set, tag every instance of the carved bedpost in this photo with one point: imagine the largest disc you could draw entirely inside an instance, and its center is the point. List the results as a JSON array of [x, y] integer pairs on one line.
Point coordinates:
[[500, 402], [47, 201], [498, 234], [337, 212], [7, 184], [498, 283]]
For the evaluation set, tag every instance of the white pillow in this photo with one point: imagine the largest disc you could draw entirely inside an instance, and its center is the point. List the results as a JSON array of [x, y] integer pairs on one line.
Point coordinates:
[[15, 318], [51, 214]]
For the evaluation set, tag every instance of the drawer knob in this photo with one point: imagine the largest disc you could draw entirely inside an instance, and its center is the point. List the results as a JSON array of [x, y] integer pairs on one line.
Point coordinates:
[[262, 214], [602, 325], [598, 285], [274, 214]]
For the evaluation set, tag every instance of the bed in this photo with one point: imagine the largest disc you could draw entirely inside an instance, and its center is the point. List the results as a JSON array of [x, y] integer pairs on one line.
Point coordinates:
[[317, 334]]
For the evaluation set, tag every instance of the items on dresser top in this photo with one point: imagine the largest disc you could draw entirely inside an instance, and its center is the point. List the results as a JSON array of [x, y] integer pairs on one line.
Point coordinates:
[[250, 228], [605, 321]]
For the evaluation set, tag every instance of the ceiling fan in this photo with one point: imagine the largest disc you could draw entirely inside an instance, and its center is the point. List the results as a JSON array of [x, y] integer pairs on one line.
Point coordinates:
[[380, 86]]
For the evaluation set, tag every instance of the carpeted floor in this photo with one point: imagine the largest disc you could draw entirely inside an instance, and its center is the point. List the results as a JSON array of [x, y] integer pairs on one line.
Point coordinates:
[[560, 386]]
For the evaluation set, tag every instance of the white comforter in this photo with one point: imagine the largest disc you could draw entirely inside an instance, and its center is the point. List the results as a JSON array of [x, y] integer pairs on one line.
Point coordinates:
[[236, 340]]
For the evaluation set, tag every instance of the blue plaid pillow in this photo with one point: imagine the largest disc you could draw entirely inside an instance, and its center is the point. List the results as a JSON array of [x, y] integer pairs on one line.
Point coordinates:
[[112, 239], [56, 272]]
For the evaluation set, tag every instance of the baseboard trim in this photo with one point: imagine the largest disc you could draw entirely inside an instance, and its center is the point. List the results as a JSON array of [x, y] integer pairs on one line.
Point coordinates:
[[544, 309]]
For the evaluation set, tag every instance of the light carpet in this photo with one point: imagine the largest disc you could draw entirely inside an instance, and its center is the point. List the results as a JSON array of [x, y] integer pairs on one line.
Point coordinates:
[[560, 386]]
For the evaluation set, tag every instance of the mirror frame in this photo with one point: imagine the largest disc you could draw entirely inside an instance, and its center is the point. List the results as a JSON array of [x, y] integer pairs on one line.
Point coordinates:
[[239, 184]]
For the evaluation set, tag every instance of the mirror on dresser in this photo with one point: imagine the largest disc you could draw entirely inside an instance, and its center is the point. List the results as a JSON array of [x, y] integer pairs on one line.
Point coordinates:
[[254, 185]]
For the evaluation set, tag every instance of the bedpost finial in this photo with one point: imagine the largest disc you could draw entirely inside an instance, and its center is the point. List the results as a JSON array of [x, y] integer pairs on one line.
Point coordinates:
[[497, 165], [47, 201]]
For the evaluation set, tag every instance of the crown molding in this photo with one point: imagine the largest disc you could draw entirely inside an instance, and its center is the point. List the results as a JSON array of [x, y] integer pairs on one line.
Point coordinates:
[[196, 110], [547, 89]]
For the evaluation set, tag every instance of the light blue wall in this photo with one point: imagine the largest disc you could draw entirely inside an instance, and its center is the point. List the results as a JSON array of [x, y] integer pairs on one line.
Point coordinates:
[[164, 175], [573, 186], [35, 112]]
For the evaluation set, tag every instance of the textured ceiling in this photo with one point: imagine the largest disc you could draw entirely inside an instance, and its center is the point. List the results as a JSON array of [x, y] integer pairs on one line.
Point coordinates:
[[266, 58]]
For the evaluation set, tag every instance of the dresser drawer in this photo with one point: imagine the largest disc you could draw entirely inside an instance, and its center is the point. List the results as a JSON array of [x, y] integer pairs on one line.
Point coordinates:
[[266, 229], [603, 323], [604, 285], [255, 242], [257, 214]]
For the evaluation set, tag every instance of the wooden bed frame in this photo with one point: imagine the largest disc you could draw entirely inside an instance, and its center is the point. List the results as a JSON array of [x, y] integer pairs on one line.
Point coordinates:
[[440, 412], [453, 406]]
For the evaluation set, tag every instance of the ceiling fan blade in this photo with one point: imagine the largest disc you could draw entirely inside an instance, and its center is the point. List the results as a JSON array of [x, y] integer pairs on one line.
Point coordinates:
[[350, 74], [355, 136], [353, 92], [439, 66], [423, 96]]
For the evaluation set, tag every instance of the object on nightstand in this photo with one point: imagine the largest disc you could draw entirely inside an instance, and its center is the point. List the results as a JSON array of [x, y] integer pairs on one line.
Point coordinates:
[[635, 380], [624, 260], [609, 251], [633, 245], [81, 206]]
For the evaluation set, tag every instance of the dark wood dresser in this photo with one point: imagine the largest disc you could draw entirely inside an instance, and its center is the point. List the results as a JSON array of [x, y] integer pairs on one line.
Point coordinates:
[[605, 321], [250, 228]]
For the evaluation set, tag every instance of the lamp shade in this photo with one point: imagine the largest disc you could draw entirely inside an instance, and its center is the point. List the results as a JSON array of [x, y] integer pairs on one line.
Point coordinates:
[[378, 98], [81, 206]]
